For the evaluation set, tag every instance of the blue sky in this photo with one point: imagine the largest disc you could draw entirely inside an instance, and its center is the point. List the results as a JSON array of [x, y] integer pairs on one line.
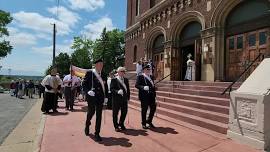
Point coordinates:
[[31, 29]]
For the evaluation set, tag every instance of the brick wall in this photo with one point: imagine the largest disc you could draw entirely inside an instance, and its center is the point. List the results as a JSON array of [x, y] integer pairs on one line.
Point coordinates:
[[197, 5]]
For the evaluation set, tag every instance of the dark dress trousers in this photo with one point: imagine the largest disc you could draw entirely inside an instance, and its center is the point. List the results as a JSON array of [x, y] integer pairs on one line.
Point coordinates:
[[147, 98], [119, 102], [95, 103]]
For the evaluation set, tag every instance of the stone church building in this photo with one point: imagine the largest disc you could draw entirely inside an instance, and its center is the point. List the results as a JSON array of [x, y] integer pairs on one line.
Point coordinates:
[[223, 36]]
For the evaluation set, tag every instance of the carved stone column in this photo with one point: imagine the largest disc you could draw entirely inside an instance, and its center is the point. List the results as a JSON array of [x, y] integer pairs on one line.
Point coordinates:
[[167, 59]]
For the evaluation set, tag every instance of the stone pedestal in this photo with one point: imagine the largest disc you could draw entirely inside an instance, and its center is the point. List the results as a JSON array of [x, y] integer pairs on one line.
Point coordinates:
[[249, 120]]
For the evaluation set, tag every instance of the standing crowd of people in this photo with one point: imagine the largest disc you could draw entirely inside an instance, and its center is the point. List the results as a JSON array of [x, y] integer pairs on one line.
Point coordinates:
[[28, 88]]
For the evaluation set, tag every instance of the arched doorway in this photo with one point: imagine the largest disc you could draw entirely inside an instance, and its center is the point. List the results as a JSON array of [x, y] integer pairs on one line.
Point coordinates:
[[158, 56], [190, 43], [246, 35]]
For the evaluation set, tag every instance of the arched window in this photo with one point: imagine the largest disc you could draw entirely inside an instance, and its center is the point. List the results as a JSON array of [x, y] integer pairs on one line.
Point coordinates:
[[247, 16], [135, 54], [152, 3], [158, 44], [137, 7]]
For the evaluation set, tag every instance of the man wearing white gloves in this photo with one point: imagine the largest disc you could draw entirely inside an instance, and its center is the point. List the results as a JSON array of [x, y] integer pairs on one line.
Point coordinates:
[[96, 93], [121, 95], [147, 96]]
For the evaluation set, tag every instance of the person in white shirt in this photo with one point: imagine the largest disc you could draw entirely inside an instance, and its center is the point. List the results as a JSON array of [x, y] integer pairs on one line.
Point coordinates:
[[139, 68], [52, 85], [70, 83]]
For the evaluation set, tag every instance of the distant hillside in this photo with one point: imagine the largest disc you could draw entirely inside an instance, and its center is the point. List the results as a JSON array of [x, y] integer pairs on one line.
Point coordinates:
[[25, 77]]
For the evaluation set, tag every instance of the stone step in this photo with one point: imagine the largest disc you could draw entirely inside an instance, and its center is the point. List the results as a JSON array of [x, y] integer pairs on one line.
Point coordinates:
[[195, 120], [196, 83], [193, 92], [198, 98], [216, 116], [185, 124]]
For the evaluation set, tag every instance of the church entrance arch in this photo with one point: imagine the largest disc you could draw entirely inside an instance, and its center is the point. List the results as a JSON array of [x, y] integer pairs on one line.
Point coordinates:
[[158, 56], [247, 29], [190, 45]]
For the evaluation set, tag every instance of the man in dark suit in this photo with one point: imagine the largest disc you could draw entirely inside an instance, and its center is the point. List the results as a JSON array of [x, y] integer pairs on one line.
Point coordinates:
[[96, 91], [147, 96], [120, 94]]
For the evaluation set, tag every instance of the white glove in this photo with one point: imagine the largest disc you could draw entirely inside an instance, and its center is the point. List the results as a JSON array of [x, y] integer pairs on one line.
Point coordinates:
[[146, 88], [120, 92], [91, 93], [105, 101]]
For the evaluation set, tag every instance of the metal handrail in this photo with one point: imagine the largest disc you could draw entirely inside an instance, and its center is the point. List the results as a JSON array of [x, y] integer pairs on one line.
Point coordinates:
[[230, 86], [164, 78]]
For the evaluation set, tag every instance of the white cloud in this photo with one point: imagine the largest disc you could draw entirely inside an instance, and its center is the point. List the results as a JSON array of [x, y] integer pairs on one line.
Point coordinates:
[[20, 39], [48, 50], [88, 5], [64, 15], [94, 29], [39, 23]]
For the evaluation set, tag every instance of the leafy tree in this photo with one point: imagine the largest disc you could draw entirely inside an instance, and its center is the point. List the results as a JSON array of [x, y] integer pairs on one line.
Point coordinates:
[[82, 56], [62, 63], [5, 47], [110, 47]]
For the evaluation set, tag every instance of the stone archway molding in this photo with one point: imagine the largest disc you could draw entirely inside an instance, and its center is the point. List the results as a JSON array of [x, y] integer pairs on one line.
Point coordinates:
[[158, 30], [182, 21]]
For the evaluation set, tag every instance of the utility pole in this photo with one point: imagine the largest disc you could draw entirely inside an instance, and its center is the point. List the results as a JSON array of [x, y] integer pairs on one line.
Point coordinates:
[[54, 34]]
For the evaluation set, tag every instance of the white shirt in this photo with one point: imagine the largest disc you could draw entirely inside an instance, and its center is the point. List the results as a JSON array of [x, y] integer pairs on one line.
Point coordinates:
[[109, 80], [138, 68], [52, 81], [75, 81]]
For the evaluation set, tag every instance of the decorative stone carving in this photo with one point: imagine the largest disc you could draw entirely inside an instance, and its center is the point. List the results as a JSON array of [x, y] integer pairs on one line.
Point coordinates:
[[189, 2], [246, 109]]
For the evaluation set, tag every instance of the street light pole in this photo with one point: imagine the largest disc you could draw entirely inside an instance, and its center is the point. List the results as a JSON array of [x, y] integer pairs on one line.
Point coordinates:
[[54, 34]]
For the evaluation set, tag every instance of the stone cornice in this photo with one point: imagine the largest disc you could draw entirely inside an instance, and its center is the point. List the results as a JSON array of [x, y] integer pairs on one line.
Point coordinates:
[[160, 12]]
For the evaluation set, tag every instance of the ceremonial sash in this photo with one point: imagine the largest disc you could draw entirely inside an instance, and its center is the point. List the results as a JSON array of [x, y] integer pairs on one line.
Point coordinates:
[[99, 79], [122, 83]]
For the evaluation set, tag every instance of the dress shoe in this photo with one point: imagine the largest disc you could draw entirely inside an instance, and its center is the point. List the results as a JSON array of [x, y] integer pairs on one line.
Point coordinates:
[[151, 125], [86, 130], [98, 138], [123, 127], [144, 127], [117, 130]]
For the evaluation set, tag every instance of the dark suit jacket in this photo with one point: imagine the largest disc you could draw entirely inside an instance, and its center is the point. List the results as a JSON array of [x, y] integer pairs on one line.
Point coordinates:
[[90, 80], [116, 86], [145, 95]]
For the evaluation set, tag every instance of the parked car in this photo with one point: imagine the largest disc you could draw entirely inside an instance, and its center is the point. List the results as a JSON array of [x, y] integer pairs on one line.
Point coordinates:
[[2, 89]]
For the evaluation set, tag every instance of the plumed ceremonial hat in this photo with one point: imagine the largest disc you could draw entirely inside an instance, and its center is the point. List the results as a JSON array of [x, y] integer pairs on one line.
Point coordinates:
[[147, 66]]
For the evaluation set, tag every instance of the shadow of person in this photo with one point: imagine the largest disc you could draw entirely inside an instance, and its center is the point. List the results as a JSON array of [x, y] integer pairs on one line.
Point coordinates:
[[84, 108], [133, 132], [79, 110], [164, 130], [112, 141], [58, 113]]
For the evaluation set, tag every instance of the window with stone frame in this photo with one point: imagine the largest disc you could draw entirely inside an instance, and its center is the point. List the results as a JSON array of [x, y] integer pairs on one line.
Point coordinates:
[[152, 3], [137, 7], [135, 54]]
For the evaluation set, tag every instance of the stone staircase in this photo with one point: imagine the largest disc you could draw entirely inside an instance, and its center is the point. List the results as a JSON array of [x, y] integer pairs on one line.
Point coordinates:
[[197, 105]]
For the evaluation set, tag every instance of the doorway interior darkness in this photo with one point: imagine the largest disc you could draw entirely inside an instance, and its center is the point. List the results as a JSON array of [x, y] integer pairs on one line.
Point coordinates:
[[184, 53]]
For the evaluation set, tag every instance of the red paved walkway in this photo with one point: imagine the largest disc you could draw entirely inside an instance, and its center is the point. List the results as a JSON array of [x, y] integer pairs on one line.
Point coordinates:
[[64, 133]]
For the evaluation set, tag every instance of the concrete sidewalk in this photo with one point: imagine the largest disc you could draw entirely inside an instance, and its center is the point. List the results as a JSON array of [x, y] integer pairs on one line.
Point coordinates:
[[64, 132], [26, 137]]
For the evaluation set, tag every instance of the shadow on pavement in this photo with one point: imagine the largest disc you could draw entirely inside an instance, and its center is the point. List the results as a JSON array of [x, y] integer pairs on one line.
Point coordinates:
[[112, 141], [164, 130], [133, 132], [58, 113]]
